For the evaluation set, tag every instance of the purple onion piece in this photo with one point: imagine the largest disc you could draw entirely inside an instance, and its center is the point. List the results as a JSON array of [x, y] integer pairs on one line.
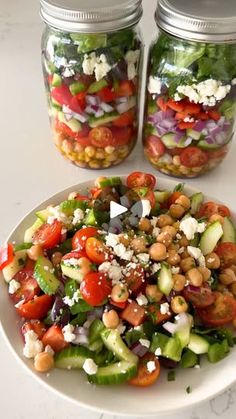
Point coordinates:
[[200, 125], [139, 350], [92, 100], [56, 308], [79, 330], [168, 363], [65, 318], [96, 313], [192, 288]]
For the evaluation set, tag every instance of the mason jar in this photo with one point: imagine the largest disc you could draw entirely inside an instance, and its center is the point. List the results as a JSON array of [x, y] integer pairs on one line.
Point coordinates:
[[92, 58], [191, 86]]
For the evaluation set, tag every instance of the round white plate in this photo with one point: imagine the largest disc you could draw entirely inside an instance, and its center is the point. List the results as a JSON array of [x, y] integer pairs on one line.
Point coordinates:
[[163, 397]]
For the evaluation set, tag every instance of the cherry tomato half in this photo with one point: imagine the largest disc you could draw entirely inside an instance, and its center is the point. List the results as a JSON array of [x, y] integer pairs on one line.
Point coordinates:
[[227, 254], [154, 147], [193, 157], [80, 237], [6, 255], [28, 286], [38, 327], [122, 135], [96, 250], [201, 297], [221, 312], [144, 377], [36, 308], [209, 208], [75, 254], [48, 235], [141, 180], [95, 288], [101, 137], [127, 118], [55, 338]]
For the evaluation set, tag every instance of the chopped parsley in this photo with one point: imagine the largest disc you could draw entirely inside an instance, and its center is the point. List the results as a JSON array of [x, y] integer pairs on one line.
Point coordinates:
[[171, 376], [188, 390]]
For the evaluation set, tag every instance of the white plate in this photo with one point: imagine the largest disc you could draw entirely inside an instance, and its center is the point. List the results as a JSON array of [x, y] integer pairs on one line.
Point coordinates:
[[163, 397]]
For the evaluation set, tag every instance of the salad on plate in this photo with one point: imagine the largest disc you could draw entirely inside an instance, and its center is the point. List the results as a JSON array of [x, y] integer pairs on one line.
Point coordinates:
[[124, 298]]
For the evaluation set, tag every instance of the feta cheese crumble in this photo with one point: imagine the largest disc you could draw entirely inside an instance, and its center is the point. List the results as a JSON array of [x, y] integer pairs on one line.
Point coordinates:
[[13, 286], [143, 257], [98, 65], [113, 269], [78, 216], [90, 367], [158, 352], [154, 85], [142, 300], [151, 366], [145, 342], [196, 253], [33, 345], [68, 334], [165, 308], [131, 59], [190, 227], [207, 92], [71, 301]]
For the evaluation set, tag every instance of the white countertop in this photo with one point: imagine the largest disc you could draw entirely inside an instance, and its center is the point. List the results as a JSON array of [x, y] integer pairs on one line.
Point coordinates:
[[31, 170]]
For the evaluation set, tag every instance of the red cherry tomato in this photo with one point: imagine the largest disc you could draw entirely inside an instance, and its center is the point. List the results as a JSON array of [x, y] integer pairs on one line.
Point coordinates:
[[193, 157], [134, 277], [127, 118], [156, 315], [210, 208], [38, 327], [48, 235], [83, 141], [133, 314], [144, 377], [101, 137], [55, 338], [95, 288], [141, 180], [200, 297], [75, 254], [154, 147], [162, 104], [64, 129], [122, 135], [36, 308], [173, 197], [28, 286], [227, 254], [62, 94], [186, 125], [80, 237], [83, 133], [221, 312], [78, 103], [6, 255], [106, 94], [125, 88], [96, 250]]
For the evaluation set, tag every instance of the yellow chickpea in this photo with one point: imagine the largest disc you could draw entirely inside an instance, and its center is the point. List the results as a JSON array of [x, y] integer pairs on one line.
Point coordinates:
[[176, 225], [173, 258], [194, 277], [124, 239], [139, 244], [174, 246], [34, 252], [177, 211], [56, 258], [170, 230], [43, 362], [164, 220], [119, 293], [183, 242], [184, 201], [153, 293], [187, 264], [184, 254], [212, 261], [145, 225], [227, 276], [233, 267], [110, 319], [179, 282], [206, 273], [164, 238], [158, 252], [233, 288], [179, 304], [216, 217]]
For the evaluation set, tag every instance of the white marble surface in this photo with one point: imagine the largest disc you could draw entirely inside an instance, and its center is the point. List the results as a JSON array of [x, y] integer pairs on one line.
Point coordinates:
[[31, 170]]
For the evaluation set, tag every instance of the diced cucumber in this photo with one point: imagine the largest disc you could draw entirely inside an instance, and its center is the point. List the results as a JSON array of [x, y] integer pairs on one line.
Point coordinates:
[[77, 87], [161, 196], [229, 232], [90, 218], [117, 373], [189, 359], [218, 351], [73, 123], [56, 80], [169, 141], [159, 340], [198, 344], [195, 135], [15, 266], [97, 85], [165, 280], [196, 202], [210, 237], [72, 271], [96, 346], [95, 330], [43, 215], [72, 357], [29, 233], [113, 341], [204, 145], [110, 181], [43, 273], [151, 107], [170, 346], [102, 120], [22, 246], [183, 334], [69, 206]]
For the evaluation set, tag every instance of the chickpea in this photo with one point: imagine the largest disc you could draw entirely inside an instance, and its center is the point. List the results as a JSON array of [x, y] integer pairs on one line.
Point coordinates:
[[119, 293], [35, 251], [227, 277], [176, 225], [145, 225], [177, 211], [164, 220], [183, 242], [184, 201], [216, 217], [170, 230], [173, 258], [206, 273], [124, 239], [195, 277], [174, 246], [139, 244], [220, 287], [158, 252], [187, 264], [43, 362], [234, 323], [233, 267], [179, 304], [164, 238], [179, 282], [153, 293], [212, 261], [110, 319], [56, 258], [184, 254], [98, 180]]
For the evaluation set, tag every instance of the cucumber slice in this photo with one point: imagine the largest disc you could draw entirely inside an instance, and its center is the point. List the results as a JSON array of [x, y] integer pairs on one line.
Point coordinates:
[[97, 85], [77, 87], [210, 237], [22, 246], [195, 135], [169, 141], [73, 123], [72, 357], [189, 359], [56, 80], [15, 266], [72, 271], [96, 346], [47, 281], [29, 233], [117, 373], [43, 215], [204, 145], [95, 330], [110, 181], [198, 344], [170, 346], [105, 119], [112, 340], [161, 196], [183, 334], [90, 218], [69, 207], [165, 280], [196, 202], [229, 232]]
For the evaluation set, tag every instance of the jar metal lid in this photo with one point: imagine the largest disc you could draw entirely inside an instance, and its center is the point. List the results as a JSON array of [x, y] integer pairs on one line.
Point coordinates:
[[201, 20], [91, 16]]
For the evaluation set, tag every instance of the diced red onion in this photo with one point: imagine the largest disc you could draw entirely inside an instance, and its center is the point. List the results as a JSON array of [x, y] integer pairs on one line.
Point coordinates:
[[200, 126], [65, 318], [178, 135], [81, 340], [99, 113], [192, 288], [80, 117], [96, 313], [209, 140], [92, 100], [115, 225], [90, 110], [68, 117], [122, 99], [170, 327], [106, 107], [126, 106], [80, 330], [221, 137], [139, 350], [56, 308]]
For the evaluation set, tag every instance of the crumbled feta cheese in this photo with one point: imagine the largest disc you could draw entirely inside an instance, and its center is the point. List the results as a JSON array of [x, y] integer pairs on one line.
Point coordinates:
[[143, 257], [49, 350], [145, 342], [233, 82], [154, 221], [68, 72], [56, 214], [61, 62], [112, 240], [155, 267], [151, 366], [158, 352], [190, 226], [207, 92], [175, 270], [90, 367], [19, 304], [72, 262], [113, 269], [197, 366], [188, 119], [142, 300], [121, 328], [121, 251], [181, 250], [154, 85], [13, 286], [89, 63], [71, 301], [78, 216], [33, 345], [178, 236], [177, 97], [68, 334], [101, 67], [195, 252], [131, 59], [156, 232], [164, 308]]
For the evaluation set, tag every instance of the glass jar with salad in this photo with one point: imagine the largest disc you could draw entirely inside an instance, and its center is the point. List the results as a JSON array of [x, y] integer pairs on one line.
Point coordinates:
[[191, 87], [92, 56]]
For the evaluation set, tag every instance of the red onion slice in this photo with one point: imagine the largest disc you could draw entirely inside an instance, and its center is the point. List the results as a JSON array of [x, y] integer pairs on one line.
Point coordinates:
[[139, 350]]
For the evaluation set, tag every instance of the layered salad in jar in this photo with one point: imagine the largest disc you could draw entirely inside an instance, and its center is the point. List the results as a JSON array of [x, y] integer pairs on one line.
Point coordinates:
[[190, 105], [92, 87]]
